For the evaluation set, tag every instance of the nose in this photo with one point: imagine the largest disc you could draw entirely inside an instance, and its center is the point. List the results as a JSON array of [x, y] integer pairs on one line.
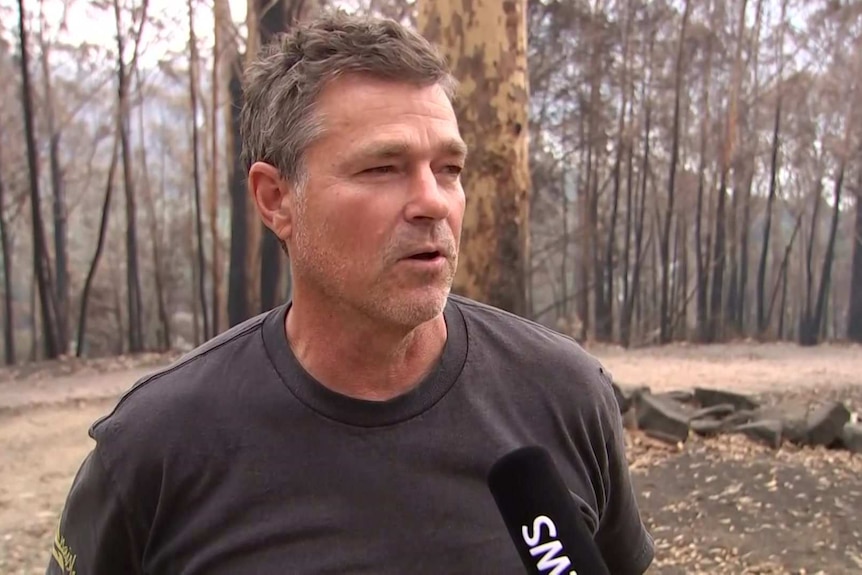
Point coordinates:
[[428, 200]]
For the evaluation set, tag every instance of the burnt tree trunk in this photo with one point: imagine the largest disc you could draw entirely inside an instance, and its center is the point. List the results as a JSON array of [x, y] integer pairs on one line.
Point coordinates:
[[854, 316], [629, 215], [8, 309], [783, 306], [702, 246], [199, 226], [156, 240], [238, 305], [582, 274], [807, 309], [716, 310], [58, 204], [100, 244], [664, 312], [621, 151], [782, 272], [133, 290], [812, 324], [630, 303], [762, 320], [165, 338], [750, 163], [41, 263]]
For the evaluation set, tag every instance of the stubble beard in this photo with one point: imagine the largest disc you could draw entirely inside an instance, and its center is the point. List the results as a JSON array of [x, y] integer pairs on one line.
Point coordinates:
[[325, 271], [412, 305], [420, 306]]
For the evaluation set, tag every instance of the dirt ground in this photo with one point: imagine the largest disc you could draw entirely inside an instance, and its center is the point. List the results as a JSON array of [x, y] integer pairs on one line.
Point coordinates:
[[714, 506]]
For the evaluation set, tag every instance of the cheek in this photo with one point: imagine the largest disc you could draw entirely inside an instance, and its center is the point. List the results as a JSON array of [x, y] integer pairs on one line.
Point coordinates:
[[360, 231], [456, 215]]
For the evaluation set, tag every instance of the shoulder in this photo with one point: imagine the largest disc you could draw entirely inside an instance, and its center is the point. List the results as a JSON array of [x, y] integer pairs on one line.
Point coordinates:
[[172, 394], [554, 361], [509, 325], [177, 420], [496, 331]]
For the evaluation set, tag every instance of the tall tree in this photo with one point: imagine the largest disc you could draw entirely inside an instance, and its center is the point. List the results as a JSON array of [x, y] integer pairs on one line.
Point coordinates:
[[665, 322], [41, 263], [596, 150], [622, 143], [716, 311], [749, 163], [812, 322], [61, 263], [630, 303], [629, 215], [133, 289], [584, 245], [221, 41], [97, 255], [487, 46], [816, 195], [762, 322], [854, 317], [781, 280], [157, 243], [238, 304], [8, 296], [196, 178], [844, 148], [702, 245]]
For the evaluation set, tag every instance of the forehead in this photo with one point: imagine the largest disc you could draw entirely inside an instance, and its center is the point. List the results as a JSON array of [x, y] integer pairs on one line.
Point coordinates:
[[356, 108]]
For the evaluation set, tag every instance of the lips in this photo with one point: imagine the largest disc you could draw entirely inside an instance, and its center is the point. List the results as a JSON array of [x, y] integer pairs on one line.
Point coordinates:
[[427, 252], [425, 256]]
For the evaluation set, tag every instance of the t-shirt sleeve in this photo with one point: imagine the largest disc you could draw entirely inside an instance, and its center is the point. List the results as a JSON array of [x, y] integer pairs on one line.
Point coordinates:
[[622, 537], [94, 535]]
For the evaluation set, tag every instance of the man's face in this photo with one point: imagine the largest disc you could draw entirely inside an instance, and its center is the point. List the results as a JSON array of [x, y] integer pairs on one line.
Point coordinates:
[[377, 226]]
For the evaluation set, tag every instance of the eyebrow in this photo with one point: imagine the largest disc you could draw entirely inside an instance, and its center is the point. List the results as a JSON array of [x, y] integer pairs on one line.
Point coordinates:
[[454, 147], [395, 149]]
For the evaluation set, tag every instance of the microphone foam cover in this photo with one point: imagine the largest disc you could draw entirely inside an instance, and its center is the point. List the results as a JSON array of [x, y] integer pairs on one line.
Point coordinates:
[[541, 515]]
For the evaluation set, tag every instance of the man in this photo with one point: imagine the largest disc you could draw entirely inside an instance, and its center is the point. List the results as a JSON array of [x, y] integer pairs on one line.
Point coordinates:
[[352, 429]]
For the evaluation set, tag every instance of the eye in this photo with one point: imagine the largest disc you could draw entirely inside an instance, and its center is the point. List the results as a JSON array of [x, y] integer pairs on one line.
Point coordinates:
[[380, 170], [453, 169]]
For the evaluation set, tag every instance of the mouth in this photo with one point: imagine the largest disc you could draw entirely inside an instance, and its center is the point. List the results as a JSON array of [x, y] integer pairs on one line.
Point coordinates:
[[426, 256]]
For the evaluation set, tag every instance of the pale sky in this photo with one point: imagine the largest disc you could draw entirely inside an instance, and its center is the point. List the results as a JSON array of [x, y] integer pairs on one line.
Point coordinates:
[[87, 22], [93, 22]]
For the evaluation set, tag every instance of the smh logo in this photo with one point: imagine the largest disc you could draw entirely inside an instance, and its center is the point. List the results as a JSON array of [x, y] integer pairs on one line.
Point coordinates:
[[549, 551]]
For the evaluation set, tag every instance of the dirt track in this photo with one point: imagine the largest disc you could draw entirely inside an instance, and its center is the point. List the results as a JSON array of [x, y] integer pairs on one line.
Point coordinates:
[[752, 368], [717, 506]]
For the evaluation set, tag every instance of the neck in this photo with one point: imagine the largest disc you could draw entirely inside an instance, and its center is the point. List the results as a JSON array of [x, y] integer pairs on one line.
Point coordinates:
[[353, 355]]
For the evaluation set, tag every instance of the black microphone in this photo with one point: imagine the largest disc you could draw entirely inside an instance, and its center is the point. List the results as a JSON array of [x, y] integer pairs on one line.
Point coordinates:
[[543, 520]]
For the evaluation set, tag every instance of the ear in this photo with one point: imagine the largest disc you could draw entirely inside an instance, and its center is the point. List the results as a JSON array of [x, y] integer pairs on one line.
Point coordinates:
[[272, 197]]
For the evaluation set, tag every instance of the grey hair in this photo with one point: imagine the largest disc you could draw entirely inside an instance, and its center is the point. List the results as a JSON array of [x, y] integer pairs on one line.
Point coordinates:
[[278, 120]]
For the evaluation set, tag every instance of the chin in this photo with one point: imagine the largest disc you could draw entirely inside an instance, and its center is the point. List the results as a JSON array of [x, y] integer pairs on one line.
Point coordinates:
[[413, 310]]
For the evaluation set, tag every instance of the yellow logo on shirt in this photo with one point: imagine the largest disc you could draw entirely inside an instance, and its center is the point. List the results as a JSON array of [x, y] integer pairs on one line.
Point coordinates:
[[63, 554]]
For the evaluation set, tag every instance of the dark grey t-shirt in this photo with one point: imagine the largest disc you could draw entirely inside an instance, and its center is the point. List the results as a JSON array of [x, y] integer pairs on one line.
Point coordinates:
[[235, 461]]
